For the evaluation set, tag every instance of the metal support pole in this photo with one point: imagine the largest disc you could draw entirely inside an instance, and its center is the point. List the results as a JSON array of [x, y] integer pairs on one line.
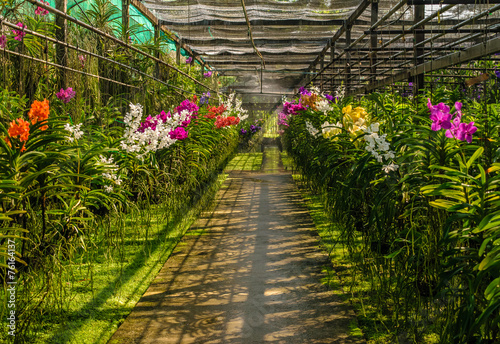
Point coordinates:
[[348, 57], [315, 71], [373, 38], [61, 35], [178, 52], [125, 19], [322, 66], [332, 51], [418, 80], [332, 57], [261, 67], [157, 54]]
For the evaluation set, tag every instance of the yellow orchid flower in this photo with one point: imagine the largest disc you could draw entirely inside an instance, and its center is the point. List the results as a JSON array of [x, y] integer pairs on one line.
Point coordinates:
[[346, 110], [354, 119]]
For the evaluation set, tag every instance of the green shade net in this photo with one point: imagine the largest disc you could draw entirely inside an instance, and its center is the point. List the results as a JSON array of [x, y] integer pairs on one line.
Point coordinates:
[[144, 28]]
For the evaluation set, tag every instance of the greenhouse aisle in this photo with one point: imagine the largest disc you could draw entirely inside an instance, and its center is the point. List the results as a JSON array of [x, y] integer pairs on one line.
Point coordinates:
[[252, 276]]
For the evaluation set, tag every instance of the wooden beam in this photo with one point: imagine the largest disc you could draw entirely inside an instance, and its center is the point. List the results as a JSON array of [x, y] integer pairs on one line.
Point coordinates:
[[144, 11]]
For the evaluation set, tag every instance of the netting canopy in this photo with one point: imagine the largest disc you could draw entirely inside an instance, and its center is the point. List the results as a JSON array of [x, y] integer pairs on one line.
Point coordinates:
[[289, 35], [327, 42]]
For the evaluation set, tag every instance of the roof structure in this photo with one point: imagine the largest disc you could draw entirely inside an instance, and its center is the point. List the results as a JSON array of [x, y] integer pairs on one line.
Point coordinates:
[[288, 34], [360, 44]]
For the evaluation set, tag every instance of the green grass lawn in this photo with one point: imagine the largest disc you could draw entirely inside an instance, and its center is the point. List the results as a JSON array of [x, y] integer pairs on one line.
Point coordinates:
[[101, 294], [245, 162]]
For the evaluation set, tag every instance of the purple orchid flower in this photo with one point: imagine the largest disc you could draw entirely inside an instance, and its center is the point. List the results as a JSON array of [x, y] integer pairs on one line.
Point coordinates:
[[440, 116], [303, 91], [454, 131], [466, 131]]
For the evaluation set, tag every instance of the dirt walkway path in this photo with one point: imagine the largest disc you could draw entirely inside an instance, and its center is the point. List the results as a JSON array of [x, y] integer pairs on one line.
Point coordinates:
[[253, 276]]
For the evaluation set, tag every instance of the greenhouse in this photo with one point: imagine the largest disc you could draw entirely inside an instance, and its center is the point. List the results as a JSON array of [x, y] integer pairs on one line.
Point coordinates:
[[250, 171]]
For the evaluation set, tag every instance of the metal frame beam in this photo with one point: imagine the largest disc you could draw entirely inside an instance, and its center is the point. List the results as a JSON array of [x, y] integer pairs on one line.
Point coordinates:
[[487, 48]]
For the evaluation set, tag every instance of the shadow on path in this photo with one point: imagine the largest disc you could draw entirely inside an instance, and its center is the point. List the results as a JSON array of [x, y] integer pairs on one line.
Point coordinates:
[[253, 276]]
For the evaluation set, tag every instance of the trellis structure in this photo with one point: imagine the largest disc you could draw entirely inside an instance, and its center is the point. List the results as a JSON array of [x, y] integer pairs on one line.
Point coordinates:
[[361, 45]]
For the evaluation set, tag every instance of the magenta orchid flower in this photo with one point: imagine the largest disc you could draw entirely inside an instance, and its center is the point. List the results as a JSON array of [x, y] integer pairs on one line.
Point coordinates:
[[65, 95], [439, 107], [179, 133], [440, 116], [458, 107], [466, 131], [453, 132], [19, 33], [40, 10], [163, 116], [440, 120]]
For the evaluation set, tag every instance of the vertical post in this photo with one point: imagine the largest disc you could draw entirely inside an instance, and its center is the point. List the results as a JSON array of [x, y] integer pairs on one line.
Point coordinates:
[[418, 80], [178, 51], [261, 67], [125, 20], [348, 57], [332, 51], [61, 35], [373, 41], [202, 71], [357, 77], [157, 54], [322, 66], [332, 58], [315, 71]]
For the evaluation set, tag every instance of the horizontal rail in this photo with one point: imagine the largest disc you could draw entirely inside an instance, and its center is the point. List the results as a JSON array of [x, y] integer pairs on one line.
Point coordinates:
[[116, 40]]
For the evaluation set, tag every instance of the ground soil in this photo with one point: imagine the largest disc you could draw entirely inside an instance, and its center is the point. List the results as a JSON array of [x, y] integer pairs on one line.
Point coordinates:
[[253, 275]]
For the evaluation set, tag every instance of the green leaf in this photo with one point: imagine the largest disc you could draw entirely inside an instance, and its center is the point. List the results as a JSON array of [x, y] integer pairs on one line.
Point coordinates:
[[483, 174], [474, 156], [492, 289], [486, 314], [443, 204], [483, 246], [393, 254], [488, 222]]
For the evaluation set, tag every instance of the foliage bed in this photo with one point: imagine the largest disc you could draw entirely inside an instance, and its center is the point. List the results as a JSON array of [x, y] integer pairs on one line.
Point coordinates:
[[415, 203]]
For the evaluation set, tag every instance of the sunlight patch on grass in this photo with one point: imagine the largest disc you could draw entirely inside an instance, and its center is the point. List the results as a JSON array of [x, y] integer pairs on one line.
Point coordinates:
[[354, 330], [245, 162]]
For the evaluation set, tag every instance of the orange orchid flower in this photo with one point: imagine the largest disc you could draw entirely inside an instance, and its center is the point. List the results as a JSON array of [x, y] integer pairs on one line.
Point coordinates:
[[39, 112]]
